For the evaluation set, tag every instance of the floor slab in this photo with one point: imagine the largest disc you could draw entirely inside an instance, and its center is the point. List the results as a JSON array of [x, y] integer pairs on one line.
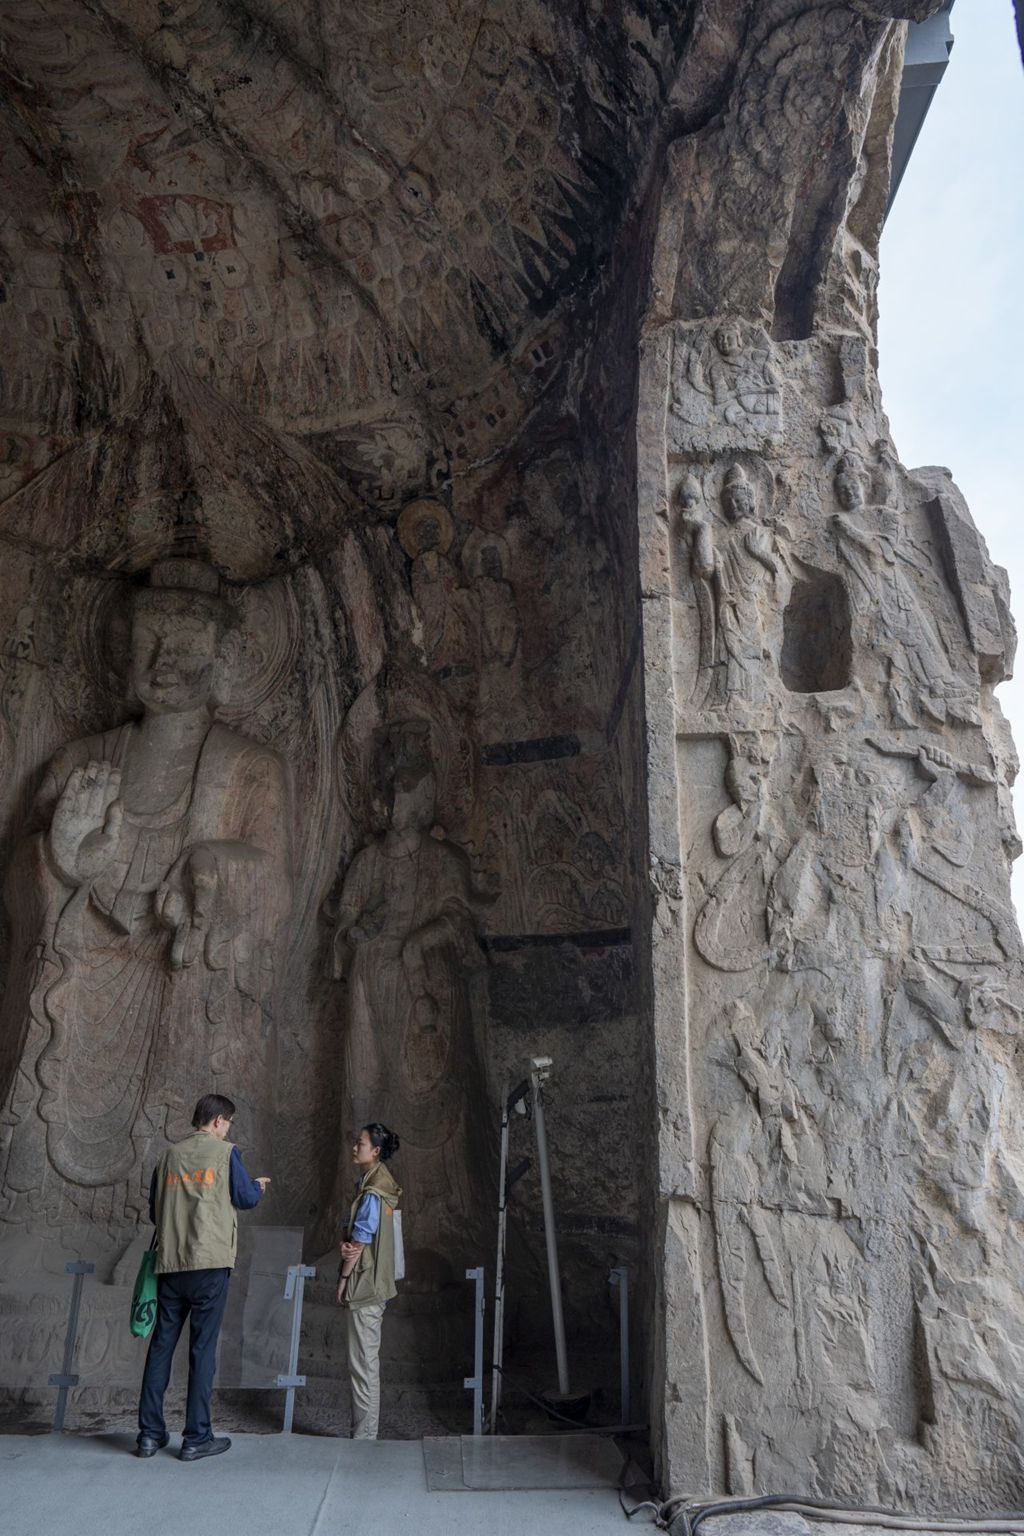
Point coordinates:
[[267, 1485]]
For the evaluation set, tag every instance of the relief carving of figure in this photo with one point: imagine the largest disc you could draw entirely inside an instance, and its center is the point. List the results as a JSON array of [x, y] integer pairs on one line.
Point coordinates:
[[742, 587], [937, 846], [839, 891], [742, 378], [728, 384], [449, 612], [951, 1090], [873, 545], [147, 900], [731, 931], [405, 945], [744, 1147], [485, 562], [838, 887]]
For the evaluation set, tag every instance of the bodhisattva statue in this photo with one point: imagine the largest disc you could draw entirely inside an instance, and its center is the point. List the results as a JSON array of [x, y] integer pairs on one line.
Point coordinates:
[[743, 588], [146, 901], [405, 943]]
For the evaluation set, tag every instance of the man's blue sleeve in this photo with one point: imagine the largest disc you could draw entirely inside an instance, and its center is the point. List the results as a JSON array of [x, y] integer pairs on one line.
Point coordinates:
[[245, 1192], [152, 1198], [364, 1228]]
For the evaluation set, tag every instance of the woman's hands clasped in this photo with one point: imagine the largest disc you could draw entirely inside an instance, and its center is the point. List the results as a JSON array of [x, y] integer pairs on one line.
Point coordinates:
[[349, 1255]]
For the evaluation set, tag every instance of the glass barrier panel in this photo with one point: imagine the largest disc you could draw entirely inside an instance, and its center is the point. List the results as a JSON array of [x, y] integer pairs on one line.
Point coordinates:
[[255, 1334]]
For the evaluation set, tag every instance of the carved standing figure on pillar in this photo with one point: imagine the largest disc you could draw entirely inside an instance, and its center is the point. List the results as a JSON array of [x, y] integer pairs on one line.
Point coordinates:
[[405, 944], [743, 1146], [741, 566], [873, 547], [146, 900]]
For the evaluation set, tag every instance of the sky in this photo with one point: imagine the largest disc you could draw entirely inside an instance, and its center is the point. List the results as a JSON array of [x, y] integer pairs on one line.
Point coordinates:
[[951, 300]]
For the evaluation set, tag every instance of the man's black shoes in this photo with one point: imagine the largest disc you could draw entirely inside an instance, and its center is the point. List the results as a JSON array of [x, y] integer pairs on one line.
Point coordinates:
[[216, 1444], [147, 1447], [212, 1447]]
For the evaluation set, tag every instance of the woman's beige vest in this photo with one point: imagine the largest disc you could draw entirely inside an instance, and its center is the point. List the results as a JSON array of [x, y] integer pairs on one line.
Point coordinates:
[[373, 1279], [196, 1224]]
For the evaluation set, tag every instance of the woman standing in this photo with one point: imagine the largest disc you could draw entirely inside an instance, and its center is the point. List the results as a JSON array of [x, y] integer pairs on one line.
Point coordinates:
[[366, 1280]]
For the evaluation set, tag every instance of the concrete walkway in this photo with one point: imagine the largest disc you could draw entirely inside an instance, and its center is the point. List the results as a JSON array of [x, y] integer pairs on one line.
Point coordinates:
[[267, 1485]]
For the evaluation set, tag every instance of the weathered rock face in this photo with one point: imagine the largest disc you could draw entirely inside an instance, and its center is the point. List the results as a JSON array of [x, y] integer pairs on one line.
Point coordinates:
[[836, 964], [461, 603], [282, 291]]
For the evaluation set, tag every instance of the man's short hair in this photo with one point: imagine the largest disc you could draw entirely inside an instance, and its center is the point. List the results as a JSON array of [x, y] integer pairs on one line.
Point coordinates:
[[210, 1107]]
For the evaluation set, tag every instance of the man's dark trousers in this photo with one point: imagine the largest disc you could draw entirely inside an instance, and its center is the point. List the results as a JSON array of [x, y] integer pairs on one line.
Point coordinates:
[[200, 1296]]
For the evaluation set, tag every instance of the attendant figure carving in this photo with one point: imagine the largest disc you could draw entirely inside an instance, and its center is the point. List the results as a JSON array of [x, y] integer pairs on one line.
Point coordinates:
[[878, 556], [732, 927], [448, 610], [147, 901], [405, 944], [740, 565], [485, 562]]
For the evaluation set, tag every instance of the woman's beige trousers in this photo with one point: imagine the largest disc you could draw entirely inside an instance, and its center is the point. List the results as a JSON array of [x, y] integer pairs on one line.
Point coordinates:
[[364, 1368]]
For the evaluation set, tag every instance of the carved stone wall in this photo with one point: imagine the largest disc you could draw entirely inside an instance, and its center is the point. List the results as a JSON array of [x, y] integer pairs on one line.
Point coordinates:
[[405, 566], [461, 602], [836, 964]]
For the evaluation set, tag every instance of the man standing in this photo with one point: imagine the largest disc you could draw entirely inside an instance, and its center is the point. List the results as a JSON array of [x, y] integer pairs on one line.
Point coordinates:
[[197, 1187]]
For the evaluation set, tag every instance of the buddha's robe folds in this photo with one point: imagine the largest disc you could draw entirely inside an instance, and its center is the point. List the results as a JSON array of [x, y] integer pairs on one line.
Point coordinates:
[[114, 1022]]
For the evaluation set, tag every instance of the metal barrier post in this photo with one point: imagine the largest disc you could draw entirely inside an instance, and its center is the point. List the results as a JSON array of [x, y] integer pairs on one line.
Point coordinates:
[[294, 1290], [620, 1277], [514, 1102], [79, 1268], [476, 1382]]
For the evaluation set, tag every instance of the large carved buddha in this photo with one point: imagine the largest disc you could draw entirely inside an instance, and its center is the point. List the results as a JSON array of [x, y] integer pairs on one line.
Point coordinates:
[[145, 903]]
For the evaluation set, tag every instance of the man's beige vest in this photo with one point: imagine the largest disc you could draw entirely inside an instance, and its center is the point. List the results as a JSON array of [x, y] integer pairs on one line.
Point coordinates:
[[196, 1224]]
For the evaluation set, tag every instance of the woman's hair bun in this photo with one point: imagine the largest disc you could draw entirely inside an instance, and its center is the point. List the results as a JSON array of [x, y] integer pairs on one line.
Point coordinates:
[[386, 1141]]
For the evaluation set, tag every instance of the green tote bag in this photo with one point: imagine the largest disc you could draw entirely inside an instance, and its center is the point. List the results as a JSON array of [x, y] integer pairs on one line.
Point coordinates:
[[143, 1313]]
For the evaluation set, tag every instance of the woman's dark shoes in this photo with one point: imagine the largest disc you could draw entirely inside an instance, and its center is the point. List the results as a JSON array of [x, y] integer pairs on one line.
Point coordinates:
[[145, 1446], [212, 1447]]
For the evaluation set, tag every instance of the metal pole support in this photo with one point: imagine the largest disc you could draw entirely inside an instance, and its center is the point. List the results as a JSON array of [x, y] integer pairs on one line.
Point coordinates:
[[475, 1383], [294, 1290], [540, 1068], [79, 1269], [510, 1103], [620, 1277]]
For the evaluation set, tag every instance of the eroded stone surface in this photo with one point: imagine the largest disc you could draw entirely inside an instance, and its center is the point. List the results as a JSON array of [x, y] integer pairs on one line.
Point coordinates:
[[837, 965], [587, 679]]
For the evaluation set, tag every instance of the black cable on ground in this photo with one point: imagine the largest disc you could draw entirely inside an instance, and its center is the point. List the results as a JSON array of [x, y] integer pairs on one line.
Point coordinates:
[[577, 1424], [690, 1514], [651, 1504]]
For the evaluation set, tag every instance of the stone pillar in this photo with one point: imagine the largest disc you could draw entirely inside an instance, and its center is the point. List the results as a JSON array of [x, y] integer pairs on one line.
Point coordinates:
[[835, 964]]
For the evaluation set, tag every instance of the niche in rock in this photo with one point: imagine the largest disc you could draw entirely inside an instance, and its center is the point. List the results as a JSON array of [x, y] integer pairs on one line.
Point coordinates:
[[816, 642]]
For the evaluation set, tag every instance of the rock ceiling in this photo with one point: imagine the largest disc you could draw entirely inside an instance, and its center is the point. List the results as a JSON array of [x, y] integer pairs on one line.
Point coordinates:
[[365, 222]]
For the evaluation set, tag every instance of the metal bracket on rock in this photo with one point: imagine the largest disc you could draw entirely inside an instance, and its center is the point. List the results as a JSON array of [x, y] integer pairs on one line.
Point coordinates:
[[475, 1383], [296, 1276], [292, 1274], [66, 1379]]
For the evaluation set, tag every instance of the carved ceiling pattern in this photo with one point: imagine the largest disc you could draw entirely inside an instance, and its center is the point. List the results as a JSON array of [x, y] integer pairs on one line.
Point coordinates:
[[365, 223]]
